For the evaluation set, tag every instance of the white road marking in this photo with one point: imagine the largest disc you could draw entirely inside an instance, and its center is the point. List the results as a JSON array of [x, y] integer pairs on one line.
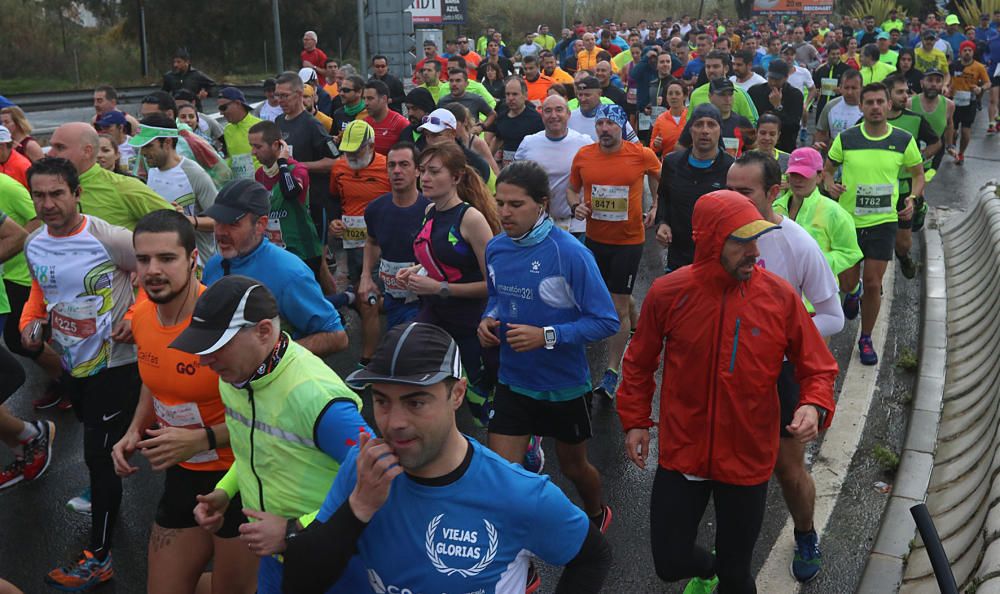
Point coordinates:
[[839, 445]]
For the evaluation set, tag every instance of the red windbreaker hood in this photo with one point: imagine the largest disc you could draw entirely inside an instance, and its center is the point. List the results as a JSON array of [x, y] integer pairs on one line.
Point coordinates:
[[716, 215]]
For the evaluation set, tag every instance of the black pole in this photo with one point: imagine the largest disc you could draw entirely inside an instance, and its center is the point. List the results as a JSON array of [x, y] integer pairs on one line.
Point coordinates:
[[142, 39], [935, 550]]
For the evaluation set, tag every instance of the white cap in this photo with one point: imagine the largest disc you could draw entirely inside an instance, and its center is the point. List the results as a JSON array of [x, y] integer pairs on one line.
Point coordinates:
[[307, 74], [6, 137], [311, 34], [439, 120]]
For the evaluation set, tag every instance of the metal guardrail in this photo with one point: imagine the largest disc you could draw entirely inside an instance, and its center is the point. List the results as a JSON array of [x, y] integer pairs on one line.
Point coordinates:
[[80, 98]]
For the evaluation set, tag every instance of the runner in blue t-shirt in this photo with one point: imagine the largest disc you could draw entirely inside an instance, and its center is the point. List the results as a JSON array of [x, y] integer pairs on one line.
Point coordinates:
[[393, 221], [411, 503], [546, 303]]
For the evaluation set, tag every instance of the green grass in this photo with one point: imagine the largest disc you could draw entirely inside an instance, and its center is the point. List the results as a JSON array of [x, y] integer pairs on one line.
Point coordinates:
[[907, 360], [886, 458]]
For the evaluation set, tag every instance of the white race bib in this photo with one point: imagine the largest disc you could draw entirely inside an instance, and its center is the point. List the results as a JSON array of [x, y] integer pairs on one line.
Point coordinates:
[[873, 199], [609, 203], [184, 416], [387, 274], [355, 232], [274, 231], [828, 87], [963, 98], [732, 146]]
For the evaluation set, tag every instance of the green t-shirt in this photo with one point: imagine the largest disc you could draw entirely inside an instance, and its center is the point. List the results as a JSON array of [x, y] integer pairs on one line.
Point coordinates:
[[241, 160], [871, 172], [4, 303], [298, 234], [16, 202], [118, 199], [742, 103]]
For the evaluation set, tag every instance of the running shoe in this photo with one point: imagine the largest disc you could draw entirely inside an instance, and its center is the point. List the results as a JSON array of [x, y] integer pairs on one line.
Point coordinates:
[[38, 451], [534, 457], [343, 299], [55, 395], [907, 266], [852, 304], [807, 560], [701, 585], [604, 520], [867, 351], [534, 580], [992, 129], [81, 503], [83, 574], [12, 474], [960, 159], [609, 384]]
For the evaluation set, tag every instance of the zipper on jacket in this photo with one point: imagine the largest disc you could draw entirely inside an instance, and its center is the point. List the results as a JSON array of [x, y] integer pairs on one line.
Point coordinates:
[[253, 428], [736, 344], [715, 383]]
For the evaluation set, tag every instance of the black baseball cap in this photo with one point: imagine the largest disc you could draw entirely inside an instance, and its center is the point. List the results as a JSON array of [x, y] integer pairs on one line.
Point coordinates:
[[231, 304], [414, 354], [777, 69], [721, 85], [933, 72], [234, 94], [237, 198], [588, 82]]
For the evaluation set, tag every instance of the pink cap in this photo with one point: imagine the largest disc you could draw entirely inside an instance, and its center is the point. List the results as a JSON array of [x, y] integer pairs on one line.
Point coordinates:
[[805, 161]]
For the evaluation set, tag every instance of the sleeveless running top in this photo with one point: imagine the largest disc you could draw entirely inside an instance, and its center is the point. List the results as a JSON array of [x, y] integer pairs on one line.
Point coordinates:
[[938, 119], [447, 256], [20, 146]]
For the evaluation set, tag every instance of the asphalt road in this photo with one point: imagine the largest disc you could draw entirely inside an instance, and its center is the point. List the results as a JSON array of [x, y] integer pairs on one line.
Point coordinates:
[[39, 532]]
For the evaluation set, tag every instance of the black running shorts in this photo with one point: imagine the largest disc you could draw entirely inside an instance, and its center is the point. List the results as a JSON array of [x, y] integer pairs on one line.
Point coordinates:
[[567, 421], [879, 241], [619, 264], [180, 491]]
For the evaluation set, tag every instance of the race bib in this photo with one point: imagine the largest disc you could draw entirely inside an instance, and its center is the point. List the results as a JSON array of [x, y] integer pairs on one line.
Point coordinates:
[[184, 416], [571, 225], [242, 166], [274, 231], [645, 121], [963, 98], [387, 274], [356, 233], [873, 199], [609, 203], [508, 156], [732, 146], [77, 335], [828, 87]]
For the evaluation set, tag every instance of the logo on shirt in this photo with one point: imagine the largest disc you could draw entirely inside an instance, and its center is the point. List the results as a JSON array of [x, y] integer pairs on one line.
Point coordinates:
[[379, 587], [536, 266], [460, 544]]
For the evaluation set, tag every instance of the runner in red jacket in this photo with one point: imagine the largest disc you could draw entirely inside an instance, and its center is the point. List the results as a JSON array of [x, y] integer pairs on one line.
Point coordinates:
[[727, 324]]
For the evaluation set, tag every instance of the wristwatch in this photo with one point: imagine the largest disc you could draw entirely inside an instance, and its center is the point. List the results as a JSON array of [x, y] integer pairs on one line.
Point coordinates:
[[550, 337], [444, 291], [822, 414], [291, 530]]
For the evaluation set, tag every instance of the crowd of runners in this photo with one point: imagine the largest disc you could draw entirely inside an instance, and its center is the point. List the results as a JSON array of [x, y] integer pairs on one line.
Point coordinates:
[[178, 277]]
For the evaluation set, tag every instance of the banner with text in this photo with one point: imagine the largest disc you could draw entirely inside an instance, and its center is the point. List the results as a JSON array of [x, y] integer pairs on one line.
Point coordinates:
[[796, 7]]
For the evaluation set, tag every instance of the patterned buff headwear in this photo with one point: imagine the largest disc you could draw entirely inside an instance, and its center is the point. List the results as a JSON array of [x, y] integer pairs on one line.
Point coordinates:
[[612, 112]]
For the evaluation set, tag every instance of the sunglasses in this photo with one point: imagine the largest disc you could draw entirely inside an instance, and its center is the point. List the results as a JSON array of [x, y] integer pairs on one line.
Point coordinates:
[[436, 121], [222, 107]]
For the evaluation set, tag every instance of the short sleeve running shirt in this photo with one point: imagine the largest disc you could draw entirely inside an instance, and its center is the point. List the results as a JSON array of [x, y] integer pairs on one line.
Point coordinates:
[[871, 172], [185, 394], [354, 189], [612, 186], [964, 78], [925, 60], [433, 537], [394, 229], [838, 116]]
